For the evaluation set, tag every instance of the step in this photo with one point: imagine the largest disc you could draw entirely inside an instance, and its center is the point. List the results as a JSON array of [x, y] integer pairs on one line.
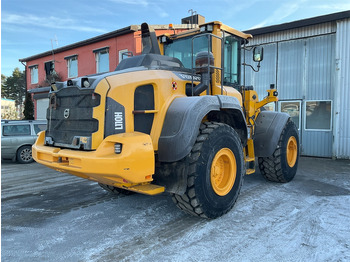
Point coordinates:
[[250, 171], [249, 159], [147, 189]]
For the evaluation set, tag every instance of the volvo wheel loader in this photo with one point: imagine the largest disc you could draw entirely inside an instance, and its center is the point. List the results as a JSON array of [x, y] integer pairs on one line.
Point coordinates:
[[174, 119]]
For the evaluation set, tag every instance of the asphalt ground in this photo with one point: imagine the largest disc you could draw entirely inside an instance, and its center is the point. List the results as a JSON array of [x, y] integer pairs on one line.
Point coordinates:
[[52, 216]]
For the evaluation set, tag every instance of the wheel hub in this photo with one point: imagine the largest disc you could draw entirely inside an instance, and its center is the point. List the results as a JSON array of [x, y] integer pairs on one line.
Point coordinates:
[[223, 172], [26, 154], [292, 151]]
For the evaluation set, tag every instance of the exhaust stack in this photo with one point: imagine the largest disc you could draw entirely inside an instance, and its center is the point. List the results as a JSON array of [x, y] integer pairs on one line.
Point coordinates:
[[149, 40]]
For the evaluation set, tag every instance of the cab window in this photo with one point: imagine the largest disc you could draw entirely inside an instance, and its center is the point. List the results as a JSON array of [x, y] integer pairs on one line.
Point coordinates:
[[182, 49], [231, 60]]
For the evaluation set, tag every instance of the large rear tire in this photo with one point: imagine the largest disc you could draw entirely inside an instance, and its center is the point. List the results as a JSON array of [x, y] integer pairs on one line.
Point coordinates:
[[215, 172], [282, 165]]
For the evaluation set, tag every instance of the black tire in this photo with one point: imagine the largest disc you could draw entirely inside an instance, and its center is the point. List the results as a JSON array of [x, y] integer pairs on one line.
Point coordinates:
[[116, 190], [24, 155], [200, 198], [283, 164]]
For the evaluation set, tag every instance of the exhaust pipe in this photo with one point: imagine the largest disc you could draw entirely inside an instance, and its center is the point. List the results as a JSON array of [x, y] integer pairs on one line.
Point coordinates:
[[149, 40]]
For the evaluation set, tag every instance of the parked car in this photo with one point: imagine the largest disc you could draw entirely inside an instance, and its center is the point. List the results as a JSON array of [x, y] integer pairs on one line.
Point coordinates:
[[17, 138]]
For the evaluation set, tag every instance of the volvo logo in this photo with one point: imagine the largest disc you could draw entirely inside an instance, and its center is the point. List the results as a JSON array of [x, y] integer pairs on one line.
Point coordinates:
[[66, 113]]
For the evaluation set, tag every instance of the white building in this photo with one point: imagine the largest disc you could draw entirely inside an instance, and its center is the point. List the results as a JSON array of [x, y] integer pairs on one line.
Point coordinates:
[[309, 63]]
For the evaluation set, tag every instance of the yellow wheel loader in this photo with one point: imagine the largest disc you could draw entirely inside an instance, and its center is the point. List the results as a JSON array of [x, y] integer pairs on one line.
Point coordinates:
[[174, 119]]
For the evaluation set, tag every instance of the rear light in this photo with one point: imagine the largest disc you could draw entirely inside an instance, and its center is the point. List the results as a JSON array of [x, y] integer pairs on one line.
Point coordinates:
[[118, 148]]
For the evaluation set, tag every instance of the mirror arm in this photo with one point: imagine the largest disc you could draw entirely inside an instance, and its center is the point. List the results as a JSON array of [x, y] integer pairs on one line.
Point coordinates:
[[255, 70]]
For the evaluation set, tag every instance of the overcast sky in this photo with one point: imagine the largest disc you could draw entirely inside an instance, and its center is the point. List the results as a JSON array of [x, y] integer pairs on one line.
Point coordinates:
[[29, 27]]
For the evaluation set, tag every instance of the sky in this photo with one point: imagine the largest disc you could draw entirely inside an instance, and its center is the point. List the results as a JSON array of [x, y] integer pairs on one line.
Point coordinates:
[[30, 27]]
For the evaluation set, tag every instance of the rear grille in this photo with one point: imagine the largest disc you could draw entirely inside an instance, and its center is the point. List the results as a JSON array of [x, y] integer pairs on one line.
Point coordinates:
[[69, 117]]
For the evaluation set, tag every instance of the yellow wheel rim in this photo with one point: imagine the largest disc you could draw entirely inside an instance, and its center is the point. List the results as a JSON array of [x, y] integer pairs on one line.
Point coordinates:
[[292, 151], [223, 172]]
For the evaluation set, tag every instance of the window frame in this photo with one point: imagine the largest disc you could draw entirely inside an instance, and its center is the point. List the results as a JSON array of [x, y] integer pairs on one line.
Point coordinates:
[[32, 68], [173, 52], [236, 73], [330, 120], [300, 109], [52, 67], [98, 52], [120, 54], [69, 60]]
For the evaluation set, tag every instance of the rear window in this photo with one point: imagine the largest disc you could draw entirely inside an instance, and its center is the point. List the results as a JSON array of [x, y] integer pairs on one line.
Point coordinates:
[[39, 127], [16, 130]]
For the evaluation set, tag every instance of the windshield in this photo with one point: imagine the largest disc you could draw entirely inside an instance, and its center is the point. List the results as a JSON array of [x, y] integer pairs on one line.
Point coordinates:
[[182, 49]]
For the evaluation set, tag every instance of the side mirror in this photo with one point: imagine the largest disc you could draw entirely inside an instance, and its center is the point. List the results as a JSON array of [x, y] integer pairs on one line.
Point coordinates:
[[258, 54], [202, 60]]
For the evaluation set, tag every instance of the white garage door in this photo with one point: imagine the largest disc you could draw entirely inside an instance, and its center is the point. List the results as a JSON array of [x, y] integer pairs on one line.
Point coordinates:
[[41, 107]]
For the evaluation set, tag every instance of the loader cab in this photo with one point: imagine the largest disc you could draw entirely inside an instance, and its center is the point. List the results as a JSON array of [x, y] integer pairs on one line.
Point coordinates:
[[222, 41]]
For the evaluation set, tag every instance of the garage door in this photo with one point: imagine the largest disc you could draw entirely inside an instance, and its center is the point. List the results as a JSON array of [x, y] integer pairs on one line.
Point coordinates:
[[41, 107]]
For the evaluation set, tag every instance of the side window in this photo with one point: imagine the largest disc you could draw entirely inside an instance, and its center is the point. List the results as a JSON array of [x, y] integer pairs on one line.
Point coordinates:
[[16, 130], [231, 60], [102, 60], [39, 127], [6, 130], [34, 74]]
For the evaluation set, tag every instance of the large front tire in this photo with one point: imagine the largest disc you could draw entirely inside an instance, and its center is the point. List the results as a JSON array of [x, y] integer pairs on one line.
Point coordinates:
[[215, 172], [282, 165]]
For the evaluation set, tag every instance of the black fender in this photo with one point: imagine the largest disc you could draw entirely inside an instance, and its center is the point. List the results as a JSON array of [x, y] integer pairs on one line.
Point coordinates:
[[268, 128], [183, 119]]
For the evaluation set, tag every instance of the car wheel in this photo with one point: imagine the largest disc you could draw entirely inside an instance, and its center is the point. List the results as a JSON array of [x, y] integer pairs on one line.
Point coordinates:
[[24, 155]]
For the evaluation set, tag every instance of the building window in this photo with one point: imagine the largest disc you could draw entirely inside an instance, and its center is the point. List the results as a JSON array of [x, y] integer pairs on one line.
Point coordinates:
[[34, 74], [123, 54], [318, 115], [72, 65], [102, 60], [49, 68], [292, 108]]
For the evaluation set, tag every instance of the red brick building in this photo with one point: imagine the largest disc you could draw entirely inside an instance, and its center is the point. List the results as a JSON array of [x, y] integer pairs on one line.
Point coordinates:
[[95, 55]]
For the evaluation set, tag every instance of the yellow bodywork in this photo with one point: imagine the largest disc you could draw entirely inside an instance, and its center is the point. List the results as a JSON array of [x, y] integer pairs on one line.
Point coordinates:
[[134, 167]]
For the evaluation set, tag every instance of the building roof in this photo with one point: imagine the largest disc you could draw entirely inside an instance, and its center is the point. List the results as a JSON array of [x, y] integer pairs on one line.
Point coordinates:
[[119, 32], [299, 23], [125, 30]]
